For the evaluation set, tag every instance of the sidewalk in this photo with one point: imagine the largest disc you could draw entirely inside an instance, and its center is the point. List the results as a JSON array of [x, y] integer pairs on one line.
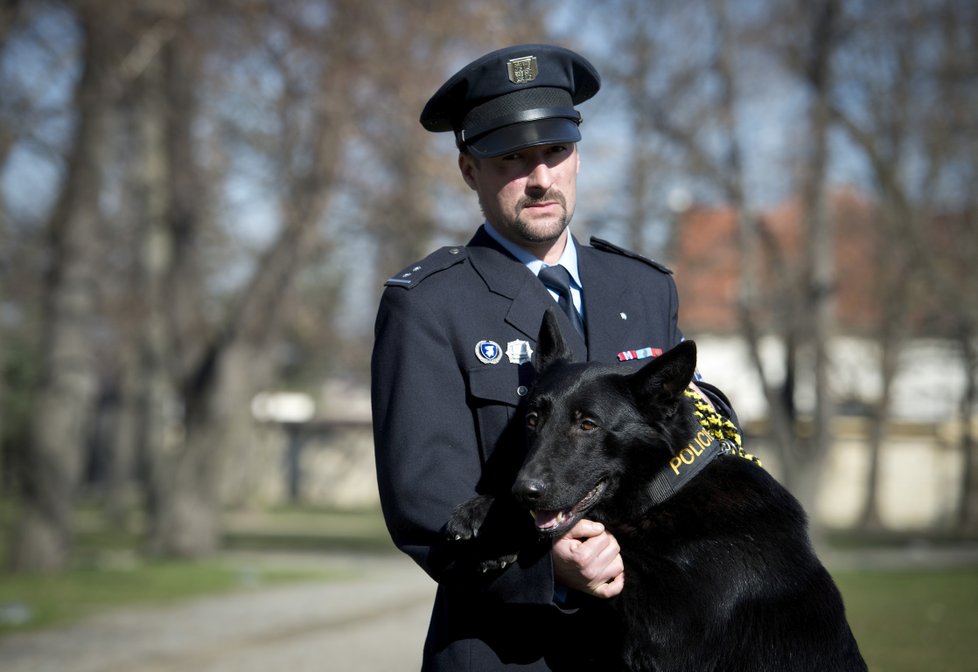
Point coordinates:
[[373, 623]]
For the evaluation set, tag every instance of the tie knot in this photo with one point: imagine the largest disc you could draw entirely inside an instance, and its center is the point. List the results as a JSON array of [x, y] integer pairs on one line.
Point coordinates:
[[556, 278]]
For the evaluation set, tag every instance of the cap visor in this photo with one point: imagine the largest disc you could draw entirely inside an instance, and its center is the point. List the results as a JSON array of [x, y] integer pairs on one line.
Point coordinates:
[[509, 139]]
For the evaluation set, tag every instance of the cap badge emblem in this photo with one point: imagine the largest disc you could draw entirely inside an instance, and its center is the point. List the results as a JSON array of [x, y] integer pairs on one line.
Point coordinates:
[[522, 70]]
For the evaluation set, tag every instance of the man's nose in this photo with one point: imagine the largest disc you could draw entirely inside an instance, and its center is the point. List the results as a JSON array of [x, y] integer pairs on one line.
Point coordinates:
[[540, 177]]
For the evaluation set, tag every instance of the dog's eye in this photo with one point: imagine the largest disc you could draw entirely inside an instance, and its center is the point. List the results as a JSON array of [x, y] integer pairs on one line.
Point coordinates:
[[587, 425], [531, 420]]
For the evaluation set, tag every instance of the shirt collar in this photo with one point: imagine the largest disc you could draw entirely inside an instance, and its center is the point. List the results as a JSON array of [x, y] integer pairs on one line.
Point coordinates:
[[568, 259]]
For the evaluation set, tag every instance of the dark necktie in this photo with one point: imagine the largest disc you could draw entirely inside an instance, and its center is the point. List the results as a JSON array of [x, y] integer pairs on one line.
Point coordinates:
[[558, 279]]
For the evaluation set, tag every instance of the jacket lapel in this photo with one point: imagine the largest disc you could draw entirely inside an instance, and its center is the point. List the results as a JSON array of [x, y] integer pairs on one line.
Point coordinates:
[[607, 300], [507, 277]]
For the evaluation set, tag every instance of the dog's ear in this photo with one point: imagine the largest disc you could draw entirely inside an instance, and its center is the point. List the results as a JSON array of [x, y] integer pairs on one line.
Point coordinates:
[[661, 382], [551, 346]]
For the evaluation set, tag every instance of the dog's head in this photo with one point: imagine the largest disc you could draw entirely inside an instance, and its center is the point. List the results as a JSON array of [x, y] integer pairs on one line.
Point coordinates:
[[594, 433]]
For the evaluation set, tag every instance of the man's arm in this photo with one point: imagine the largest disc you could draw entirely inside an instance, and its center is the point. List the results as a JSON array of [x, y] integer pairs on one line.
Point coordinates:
[[427, 450]]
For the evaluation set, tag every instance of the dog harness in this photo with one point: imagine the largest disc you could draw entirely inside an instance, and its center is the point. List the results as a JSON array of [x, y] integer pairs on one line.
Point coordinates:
[[717, 436]]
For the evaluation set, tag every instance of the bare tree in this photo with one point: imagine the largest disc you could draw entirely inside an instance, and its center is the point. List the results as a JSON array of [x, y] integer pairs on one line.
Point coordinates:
[[66, 390], [9, 11], [820, 28], [920, 157], [222, 371], [414, 173], [687, 92]]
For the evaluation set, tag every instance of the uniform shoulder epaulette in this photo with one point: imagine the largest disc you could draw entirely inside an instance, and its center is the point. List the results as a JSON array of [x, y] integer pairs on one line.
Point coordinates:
[[438, 260], [605, 246]]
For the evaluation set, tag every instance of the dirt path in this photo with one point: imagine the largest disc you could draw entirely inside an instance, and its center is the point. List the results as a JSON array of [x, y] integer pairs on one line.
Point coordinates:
[[373, 623]]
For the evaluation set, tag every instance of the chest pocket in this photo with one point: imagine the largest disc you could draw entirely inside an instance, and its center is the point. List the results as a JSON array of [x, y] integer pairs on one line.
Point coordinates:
[[495, 385], [496, 392]]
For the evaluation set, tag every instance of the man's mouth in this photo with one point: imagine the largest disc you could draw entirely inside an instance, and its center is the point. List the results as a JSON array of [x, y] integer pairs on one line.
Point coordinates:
[[554, 523], [549, 200]]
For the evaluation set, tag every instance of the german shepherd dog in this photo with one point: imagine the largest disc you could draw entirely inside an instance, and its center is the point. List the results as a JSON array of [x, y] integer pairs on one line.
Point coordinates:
[[720, 574]]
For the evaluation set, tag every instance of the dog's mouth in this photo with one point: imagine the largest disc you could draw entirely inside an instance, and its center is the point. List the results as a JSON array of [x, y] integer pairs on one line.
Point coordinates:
[[554, 523]]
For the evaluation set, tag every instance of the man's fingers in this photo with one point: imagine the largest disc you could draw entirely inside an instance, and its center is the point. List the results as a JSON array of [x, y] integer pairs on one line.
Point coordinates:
[[599, 557], [584, 529], [588, 558], [611, 588]]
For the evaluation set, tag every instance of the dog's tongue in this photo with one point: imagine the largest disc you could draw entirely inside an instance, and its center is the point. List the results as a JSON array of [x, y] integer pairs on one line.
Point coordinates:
[[547, 519]]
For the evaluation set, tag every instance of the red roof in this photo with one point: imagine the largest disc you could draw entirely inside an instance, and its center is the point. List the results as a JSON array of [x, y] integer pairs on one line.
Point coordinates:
[[708, 264]]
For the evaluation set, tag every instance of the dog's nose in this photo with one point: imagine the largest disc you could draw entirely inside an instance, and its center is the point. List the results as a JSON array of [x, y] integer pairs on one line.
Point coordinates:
[[529, 489]]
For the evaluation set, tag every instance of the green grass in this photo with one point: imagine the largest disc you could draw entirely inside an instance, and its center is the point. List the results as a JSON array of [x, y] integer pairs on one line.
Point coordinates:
[[108, 571], [911, 621], [32, 601], [308, 529]]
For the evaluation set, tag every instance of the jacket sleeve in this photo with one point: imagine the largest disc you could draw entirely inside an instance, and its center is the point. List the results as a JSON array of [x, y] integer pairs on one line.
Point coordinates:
[[427, 450]]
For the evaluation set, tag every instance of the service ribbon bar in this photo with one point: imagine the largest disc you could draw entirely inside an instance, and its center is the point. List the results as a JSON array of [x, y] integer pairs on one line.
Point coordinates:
[[644, 353]]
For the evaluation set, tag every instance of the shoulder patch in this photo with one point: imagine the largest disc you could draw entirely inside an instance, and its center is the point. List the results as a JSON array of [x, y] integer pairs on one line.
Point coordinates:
[[605, 246], [438, 260]]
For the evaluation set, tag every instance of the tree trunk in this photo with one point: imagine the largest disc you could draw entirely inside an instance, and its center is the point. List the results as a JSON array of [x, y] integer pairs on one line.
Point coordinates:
[[148, 393], [181, 469], [968, 505], [218, 381], [896, 278], [821, 280], [749, 241], [66, 390]]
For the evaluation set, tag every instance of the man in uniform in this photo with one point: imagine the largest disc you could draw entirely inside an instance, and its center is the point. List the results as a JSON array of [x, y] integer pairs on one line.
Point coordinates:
[[452, 361]]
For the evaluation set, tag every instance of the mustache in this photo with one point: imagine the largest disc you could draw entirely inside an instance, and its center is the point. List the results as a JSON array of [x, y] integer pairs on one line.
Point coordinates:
[[551, 195]]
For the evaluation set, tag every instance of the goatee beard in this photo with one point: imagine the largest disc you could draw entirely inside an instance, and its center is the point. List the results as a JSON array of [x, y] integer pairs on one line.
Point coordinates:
[[537, 236]]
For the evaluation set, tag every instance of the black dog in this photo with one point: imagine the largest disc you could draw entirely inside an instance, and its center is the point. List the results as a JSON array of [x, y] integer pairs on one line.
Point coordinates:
[[719, 571]]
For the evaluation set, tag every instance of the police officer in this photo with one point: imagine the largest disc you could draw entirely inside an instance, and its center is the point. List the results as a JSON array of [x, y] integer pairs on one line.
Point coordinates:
[[452, 361]]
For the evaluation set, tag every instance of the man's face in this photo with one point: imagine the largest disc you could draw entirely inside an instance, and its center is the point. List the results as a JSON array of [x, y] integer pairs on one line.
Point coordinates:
[[528, 196]]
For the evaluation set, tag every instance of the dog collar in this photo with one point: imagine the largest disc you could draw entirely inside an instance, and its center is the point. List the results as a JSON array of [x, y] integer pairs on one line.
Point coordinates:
[[716, 436]]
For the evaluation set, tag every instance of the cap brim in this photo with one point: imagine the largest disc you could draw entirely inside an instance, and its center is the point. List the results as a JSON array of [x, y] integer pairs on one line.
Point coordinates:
[[509, 139]]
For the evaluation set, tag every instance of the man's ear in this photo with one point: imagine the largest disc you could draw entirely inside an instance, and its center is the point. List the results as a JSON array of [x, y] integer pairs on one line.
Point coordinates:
[[466, 166], [661, 382], [551, 346]]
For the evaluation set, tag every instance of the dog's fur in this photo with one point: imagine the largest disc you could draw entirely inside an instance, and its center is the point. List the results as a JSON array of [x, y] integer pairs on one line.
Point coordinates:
[[722, 575]]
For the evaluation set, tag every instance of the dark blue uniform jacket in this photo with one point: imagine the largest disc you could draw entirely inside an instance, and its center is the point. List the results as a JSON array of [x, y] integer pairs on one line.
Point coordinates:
[[441, 414]]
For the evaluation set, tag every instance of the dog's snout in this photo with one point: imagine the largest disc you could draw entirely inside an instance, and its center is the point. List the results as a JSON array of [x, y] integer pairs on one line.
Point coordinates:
[[529, 489]]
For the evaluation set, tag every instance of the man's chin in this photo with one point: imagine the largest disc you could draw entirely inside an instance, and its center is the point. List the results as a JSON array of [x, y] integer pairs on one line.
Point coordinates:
[[541, 231]]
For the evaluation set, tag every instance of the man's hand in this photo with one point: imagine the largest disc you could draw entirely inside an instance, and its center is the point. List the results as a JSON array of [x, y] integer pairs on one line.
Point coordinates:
[[588, 559]]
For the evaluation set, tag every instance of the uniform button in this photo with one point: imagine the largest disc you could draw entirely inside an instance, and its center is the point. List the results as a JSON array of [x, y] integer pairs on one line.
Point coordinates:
[[454, 250], [522, 390]]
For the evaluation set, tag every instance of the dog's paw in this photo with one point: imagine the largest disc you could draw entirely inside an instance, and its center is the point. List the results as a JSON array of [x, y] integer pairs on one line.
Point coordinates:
[[505, 561], [468, 517]]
